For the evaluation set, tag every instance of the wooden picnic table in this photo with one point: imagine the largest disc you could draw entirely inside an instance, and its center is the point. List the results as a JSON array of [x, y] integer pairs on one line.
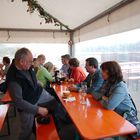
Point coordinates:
[[94, 122]]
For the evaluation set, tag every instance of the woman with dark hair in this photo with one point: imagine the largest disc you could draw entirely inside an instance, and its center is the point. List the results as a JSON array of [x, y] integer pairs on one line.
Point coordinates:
[[77, 74], [114, 94]]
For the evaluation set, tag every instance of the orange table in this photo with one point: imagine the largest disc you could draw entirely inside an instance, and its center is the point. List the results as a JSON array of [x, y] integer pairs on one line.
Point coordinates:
[[95, 122], [6, 98]]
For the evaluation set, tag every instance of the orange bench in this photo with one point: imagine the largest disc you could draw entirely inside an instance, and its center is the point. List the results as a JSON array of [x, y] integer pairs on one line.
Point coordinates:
[[7, 99], [4, 116], [46, 131]]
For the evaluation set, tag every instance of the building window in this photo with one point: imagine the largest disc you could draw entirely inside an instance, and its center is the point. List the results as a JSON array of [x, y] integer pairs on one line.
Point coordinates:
[[52, 52]]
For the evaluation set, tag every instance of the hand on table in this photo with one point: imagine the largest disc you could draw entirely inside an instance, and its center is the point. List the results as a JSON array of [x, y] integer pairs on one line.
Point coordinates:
[[72, 88], [105, 98]]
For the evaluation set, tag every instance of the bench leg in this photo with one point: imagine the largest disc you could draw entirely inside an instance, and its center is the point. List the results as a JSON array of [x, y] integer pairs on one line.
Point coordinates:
[[14, 110], [8, 125]]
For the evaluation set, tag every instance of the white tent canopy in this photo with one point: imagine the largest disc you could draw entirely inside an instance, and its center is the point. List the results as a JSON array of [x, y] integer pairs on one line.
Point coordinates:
[[17, 25]]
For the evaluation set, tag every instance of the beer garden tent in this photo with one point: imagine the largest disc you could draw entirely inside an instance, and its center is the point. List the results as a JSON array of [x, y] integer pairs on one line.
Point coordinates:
[[84, 20]]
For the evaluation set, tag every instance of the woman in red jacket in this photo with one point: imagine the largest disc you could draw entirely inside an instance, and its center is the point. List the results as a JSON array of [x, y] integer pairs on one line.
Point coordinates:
[[77, 74]]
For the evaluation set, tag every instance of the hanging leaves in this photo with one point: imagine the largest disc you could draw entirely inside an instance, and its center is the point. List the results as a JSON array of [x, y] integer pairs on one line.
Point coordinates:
[[49, 19]]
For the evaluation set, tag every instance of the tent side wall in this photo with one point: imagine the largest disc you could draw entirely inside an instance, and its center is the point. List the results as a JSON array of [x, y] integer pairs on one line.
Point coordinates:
[[33, 37], [123, 19]]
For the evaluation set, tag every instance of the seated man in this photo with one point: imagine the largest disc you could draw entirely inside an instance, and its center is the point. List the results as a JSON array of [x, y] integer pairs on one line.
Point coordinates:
[[94, 79], [26, 93], [65, 67]]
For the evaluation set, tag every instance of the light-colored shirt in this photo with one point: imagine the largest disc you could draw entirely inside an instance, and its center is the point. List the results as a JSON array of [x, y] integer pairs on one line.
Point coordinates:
[[65, 69]]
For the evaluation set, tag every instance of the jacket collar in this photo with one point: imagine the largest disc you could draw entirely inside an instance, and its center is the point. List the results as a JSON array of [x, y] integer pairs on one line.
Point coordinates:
[[20, 75], [94, 74]]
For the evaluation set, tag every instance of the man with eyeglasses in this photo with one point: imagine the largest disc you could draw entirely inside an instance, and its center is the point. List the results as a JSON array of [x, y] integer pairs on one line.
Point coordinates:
[[94, 79]]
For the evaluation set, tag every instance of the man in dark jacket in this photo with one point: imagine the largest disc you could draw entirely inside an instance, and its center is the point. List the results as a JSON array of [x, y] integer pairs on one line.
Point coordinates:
[[94, 79], [26, 93]]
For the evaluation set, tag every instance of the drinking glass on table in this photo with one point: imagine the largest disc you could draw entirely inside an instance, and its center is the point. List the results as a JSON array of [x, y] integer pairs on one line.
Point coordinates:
[[80, 95], [83, 92], [84, 86], [64, 88]]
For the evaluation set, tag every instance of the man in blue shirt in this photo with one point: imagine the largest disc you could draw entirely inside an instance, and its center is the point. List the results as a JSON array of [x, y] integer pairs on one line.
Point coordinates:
[[94, 79], [65, 67]]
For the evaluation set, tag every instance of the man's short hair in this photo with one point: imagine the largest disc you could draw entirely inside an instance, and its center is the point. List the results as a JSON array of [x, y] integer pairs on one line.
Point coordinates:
[[92, 62], [21, 53], [6, 60], [41, 56], [66, 56]]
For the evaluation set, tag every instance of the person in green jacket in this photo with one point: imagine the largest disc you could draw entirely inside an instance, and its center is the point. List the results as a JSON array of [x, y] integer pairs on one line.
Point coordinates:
[[43, 76]]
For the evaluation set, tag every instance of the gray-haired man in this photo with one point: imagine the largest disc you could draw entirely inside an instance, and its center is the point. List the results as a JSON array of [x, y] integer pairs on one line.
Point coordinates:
[[26, 92]]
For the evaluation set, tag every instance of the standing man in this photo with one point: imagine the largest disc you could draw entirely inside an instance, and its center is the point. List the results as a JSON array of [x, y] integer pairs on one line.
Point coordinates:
[[25, 92]]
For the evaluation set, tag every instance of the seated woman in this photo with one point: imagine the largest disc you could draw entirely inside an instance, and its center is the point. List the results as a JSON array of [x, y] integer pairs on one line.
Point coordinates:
[[50, 67], [43, 76], [77, 74], [114, 94]]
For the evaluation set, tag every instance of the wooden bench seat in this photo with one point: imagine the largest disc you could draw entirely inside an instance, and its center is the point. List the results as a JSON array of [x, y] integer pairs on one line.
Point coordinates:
[[46, 131], [4, 116], [7, 99]]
